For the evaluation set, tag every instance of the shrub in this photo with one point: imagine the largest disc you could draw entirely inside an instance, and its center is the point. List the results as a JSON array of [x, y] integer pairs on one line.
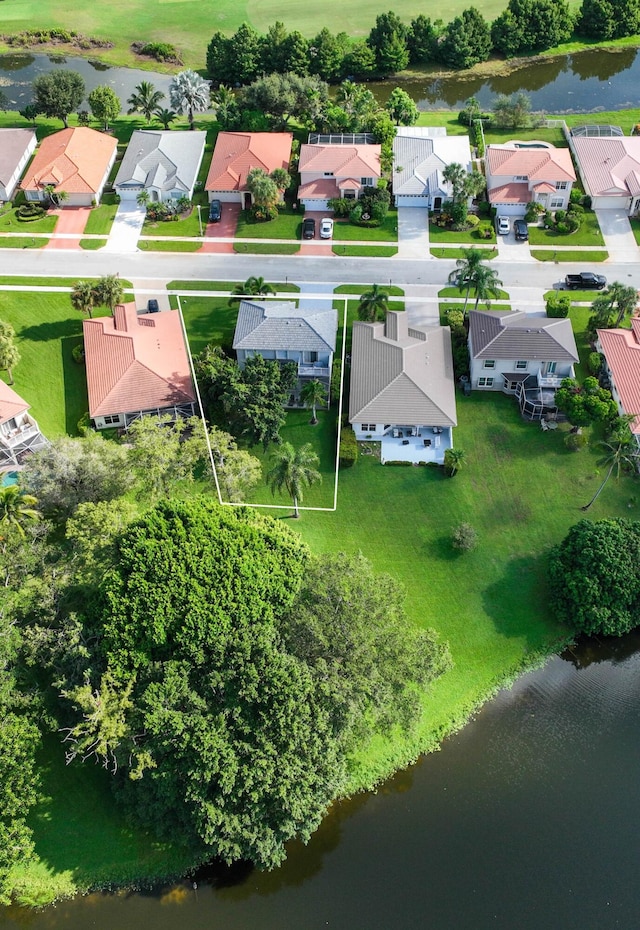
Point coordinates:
[[161, 51], [562, 228], [473, 220], [348, 448], [547, 219], [560, 216], [28, 212], [575, 207], [341, 206], [454, 318], [533, 211], [586, 202], [77, 354], [558, 305], [485, 233], [464, 538], [575, 441], [594, 363], [336, 372], [356, 214], [572, 222]]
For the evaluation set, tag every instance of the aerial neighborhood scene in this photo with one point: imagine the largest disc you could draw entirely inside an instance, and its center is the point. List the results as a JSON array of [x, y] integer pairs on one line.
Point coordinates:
[[319, 458]]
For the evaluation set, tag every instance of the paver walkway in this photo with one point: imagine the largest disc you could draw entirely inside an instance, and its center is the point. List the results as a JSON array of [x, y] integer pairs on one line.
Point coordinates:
[[225, 229], [619, 239], [70, 226]]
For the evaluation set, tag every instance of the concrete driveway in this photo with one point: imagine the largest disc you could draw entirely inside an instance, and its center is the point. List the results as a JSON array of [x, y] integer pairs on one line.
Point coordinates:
[[126, 228], [413, 232], [618, 237]]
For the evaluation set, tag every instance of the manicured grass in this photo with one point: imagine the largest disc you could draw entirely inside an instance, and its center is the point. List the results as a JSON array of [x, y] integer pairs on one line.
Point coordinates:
[[576, 296], [10, 223], [37, 281], [267, 248], [455, 292], [287, 225], [22, 242], [552, 134], [635, 228], [588, 233], [187, 225], [439, 252], [474, 236], [364, 251], [387, 231], [391, 289], [570, 255], [224, 286], [470, 306], [169, 245], [92, 245], [47, 329], [208, 320], [101, 218]]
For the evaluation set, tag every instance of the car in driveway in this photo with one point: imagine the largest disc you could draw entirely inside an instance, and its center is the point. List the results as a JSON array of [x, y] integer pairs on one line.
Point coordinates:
[[521, 230], [503, 226], [326, 228], [308, 228], [152, 306], [215, 211]]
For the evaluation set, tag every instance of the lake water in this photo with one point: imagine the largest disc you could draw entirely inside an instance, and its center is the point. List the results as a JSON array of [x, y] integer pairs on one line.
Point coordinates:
[[528, 819]]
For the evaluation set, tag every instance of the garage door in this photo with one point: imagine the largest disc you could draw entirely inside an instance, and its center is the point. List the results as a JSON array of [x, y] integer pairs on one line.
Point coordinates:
[[225, 196], [128, 193], [316, 205], [406, 201], [611, 203], [510, 209]]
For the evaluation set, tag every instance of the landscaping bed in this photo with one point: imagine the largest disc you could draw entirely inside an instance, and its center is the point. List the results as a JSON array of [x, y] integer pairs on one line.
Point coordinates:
[[473, 236], [387, 231], [587, 234]]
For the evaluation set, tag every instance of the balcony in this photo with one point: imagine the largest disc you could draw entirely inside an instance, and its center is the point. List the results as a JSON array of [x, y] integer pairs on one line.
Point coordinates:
[[313, 371], [16, 437]]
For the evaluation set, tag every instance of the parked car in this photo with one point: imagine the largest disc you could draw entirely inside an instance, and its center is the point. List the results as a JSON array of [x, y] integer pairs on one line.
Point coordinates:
[[585, 281], [308, 228], [215, 211], [326, 228], [503, 226], [520, 229], [152, 306]]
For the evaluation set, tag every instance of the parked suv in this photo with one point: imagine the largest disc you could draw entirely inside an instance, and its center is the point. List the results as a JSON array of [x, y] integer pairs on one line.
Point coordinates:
[[215, 211], [152, 306], [521, 229], [308, 228]]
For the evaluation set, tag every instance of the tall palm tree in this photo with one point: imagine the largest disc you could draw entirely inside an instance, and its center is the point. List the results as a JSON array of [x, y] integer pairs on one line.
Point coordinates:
[[312, 395], [83, 297], [293, 470], [145, 99], [466, 271], [188, 91], [487, 285], [453, 459], [9, 354], [166, 117], [17, 507], [617, 455], [373, 304], [109, 291]]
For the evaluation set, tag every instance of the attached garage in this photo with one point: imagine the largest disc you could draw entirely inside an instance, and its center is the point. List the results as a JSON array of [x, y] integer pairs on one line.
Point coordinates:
[[404, 200], [315, 206], [509, 209], [621, 202], [226, 196]]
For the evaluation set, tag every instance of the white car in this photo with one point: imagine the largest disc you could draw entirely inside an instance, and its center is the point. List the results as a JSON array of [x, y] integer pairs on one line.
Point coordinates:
[[503, 226], [326, 228]]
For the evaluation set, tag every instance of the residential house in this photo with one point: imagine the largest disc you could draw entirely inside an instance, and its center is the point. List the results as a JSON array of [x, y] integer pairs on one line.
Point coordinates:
[[280, 331], [16, 147], [521, 172], [420, 155], [236, 153], [610, 170], [334, 169], [165, 164], [521, 355], [137, 364], [621, 350], [402, 389], [76, 161], [19, 431]]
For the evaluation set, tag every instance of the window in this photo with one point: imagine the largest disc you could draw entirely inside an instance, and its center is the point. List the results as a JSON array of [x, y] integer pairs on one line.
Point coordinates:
[[521, 366], [489, 363], [512, 385], [328, 174], [367, 427], [111, 419], [485, 382], [349, 194], [366, 182], [561, 185], [556, 203]]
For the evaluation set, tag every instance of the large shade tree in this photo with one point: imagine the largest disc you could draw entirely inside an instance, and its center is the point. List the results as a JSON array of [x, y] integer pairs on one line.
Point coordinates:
[[189, 93], [57, 93], [105, 105]]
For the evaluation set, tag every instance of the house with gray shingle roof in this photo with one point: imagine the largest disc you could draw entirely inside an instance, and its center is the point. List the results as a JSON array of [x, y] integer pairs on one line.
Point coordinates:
[[402, 389], [282, 332], [16, 147], [521, 355], [165, 164], [420, 155]]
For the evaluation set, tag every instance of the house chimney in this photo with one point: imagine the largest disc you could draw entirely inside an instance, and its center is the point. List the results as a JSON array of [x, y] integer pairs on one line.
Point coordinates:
[[120, 318]]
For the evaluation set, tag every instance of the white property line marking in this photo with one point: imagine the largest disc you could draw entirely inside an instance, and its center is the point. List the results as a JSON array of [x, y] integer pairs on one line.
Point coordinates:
[[339, 421]]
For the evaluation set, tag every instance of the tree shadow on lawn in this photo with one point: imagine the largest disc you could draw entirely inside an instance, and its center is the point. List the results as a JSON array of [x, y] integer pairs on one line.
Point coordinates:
[[76, 401], [49, 332], [518, 602]]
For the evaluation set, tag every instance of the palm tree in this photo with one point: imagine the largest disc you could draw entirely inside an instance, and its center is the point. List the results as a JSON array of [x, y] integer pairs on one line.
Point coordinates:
[[145, 99], [465, 273], [188, 91], [487, 285], [453, 459], [143, 198], [109, 291], [166, 117], [9, 354], [617, 455], [373, 304], [16, 507], [252, 287], [312, 394], [293, 470], [56, 198], [83, 297]]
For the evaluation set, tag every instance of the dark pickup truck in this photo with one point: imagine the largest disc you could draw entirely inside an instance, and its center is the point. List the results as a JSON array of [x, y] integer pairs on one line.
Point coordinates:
[[586, 281]]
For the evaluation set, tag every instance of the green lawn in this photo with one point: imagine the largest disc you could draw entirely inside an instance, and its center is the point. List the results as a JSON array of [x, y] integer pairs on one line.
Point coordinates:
[[576, 296], [455, 292], [92, 245], [101, 218], [169, 245], [224, 286], [438, 234], [187, 225], [571, 255], [287, 225], [588, 233], [47, 329], [267, 248], [22, 242], [10, 223], [387, 231], [439, 252], [364, 251], [635, 228], [391, 289], [208, 320]]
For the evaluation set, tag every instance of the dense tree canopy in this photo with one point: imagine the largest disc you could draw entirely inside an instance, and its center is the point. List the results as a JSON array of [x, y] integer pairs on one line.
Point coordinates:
[[594, 577], [585, 403], [57, 93]]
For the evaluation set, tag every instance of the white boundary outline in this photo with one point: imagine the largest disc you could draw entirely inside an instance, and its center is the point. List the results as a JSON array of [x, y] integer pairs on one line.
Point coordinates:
[[332, 298]]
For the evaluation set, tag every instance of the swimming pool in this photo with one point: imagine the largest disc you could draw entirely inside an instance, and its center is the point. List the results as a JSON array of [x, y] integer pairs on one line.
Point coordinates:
[[9, 477]]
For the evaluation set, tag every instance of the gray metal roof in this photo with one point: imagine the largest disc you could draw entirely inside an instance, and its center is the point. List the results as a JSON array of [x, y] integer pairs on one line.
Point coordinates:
[[282, 325], [402, 374], [166, 160], [419, 160], [499, 334], [13, 145]]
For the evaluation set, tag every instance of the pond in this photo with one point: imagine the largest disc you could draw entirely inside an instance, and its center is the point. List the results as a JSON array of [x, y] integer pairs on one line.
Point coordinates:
[[529, 818]]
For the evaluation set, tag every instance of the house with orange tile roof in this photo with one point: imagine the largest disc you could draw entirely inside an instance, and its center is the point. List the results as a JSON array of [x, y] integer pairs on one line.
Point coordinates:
[[16, 147], [19, 431], [137, 365], [76, 161], [610, 171], [336, 170], [521, 172], [236, 153], [621, 350]]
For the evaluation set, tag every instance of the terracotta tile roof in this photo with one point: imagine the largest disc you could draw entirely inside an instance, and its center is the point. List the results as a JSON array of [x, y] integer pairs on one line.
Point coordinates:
[[136, 362], [75, 160], [236, 153], [544, 188], [610, 165], [321, 188], [509, 193], [621, 348], [344, 161], [548, 164], [11, 404]]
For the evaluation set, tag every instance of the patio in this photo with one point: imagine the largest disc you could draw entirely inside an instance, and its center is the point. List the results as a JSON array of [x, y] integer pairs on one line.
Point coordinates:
[[428, 445]]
